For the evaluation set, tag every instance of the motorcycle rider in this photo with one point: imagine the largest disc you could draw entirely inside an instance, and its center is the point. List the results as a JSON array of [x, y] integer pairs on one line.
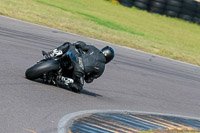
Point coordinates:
[[87, 66]]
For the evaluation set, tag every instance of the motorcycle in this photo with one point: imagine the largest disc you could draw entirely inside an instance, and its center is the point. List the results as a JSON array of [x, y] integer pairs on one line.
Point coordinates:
[[53, 70]]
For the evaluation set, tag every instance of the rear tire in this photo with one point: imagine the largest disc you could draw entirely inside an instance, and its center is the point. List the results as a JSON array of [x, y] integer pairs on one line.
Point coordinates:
[[40, 68], [140, 5], [171, 13], [186, 17], [127, 3]]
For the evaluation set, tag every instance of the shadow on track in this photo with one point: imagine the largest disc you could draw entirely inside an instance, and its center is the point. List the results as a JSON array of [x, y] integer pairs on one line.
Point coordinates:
[[85, 92], [63, 86], [90, 93]]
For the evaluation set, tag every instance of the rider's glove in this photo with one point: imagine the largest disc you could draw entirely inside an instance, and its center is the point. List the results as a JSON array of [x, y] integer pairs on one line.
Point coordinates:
[[79, 44], [75, 87], [89, 80]]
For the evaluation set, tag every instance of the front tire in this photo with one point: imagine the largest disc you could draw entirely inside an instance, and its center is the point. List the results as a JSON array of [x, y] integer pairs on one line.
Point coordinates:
[[40, 68]]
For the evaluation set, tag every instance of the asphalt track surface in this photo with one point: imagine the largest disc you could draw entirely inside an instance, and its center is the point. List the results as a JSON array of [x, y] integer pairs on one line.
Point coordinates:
[[134, 81]]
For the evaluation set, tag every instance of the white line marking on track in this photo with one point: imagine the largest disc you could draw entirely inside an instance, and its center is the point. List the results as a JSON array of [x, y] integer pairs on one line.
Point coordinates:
[[29, 130]]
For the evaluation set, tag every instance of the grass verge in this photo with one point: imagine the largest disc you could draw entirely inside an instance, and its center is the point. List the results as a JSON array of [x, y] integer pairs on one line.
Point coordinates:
[[100, 19]]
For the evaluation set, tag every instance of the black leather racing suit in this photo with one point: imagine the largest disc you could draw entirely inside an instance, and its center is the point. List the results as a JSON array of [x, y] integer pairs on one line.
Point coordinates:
[[87, 66], [93, 61]]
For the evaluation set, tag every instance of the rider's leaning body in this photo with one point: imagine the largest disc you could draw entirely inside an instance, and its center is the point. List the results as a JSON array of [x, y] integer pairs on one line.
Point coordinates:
[[88, 64]]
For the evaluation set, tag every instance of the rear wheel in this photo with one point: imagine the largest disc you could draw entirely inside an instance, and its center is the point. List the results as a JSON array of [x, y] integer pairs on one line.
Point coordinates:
[[40, 68]]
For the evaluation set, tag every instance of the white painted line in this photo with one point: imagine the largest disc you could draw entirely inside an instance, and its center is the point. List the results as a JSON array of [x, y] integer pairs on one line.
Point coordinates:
[[103, 42], [64, 121], [29, 130]]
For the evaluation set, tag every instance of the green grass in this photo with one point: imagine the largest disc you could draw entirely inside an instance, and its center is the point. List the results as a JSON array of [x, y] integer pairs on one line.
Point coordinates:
[[100, 19]]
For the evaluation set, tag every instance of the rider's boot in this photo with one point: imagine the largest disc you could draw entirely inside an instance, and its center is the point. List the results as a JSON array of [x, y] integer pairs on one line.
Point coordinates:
[[65, 80], [73, 84], [77, 86], [53, 53], [57, 52]]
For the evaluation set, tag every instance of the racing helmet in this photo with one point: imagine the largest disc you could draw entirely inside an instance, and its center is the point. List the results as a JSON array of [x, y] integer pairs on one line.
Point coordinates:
[[108, 53]]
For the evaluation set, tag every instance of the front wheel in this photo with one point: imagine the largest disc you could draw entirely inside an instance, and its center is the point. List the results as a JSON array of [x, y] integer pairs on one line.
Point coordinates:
[[40, 68]]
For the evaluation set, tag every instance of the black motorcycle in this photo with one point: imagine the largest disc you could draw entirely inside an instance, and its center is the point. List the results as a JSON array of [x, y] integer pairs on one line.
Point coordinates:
[[53, 71]]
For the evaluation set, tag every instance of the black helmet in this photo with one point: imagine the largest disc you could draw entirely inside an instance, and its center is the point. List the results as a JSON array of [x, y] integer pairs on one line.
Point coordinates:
[[108, 53]]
